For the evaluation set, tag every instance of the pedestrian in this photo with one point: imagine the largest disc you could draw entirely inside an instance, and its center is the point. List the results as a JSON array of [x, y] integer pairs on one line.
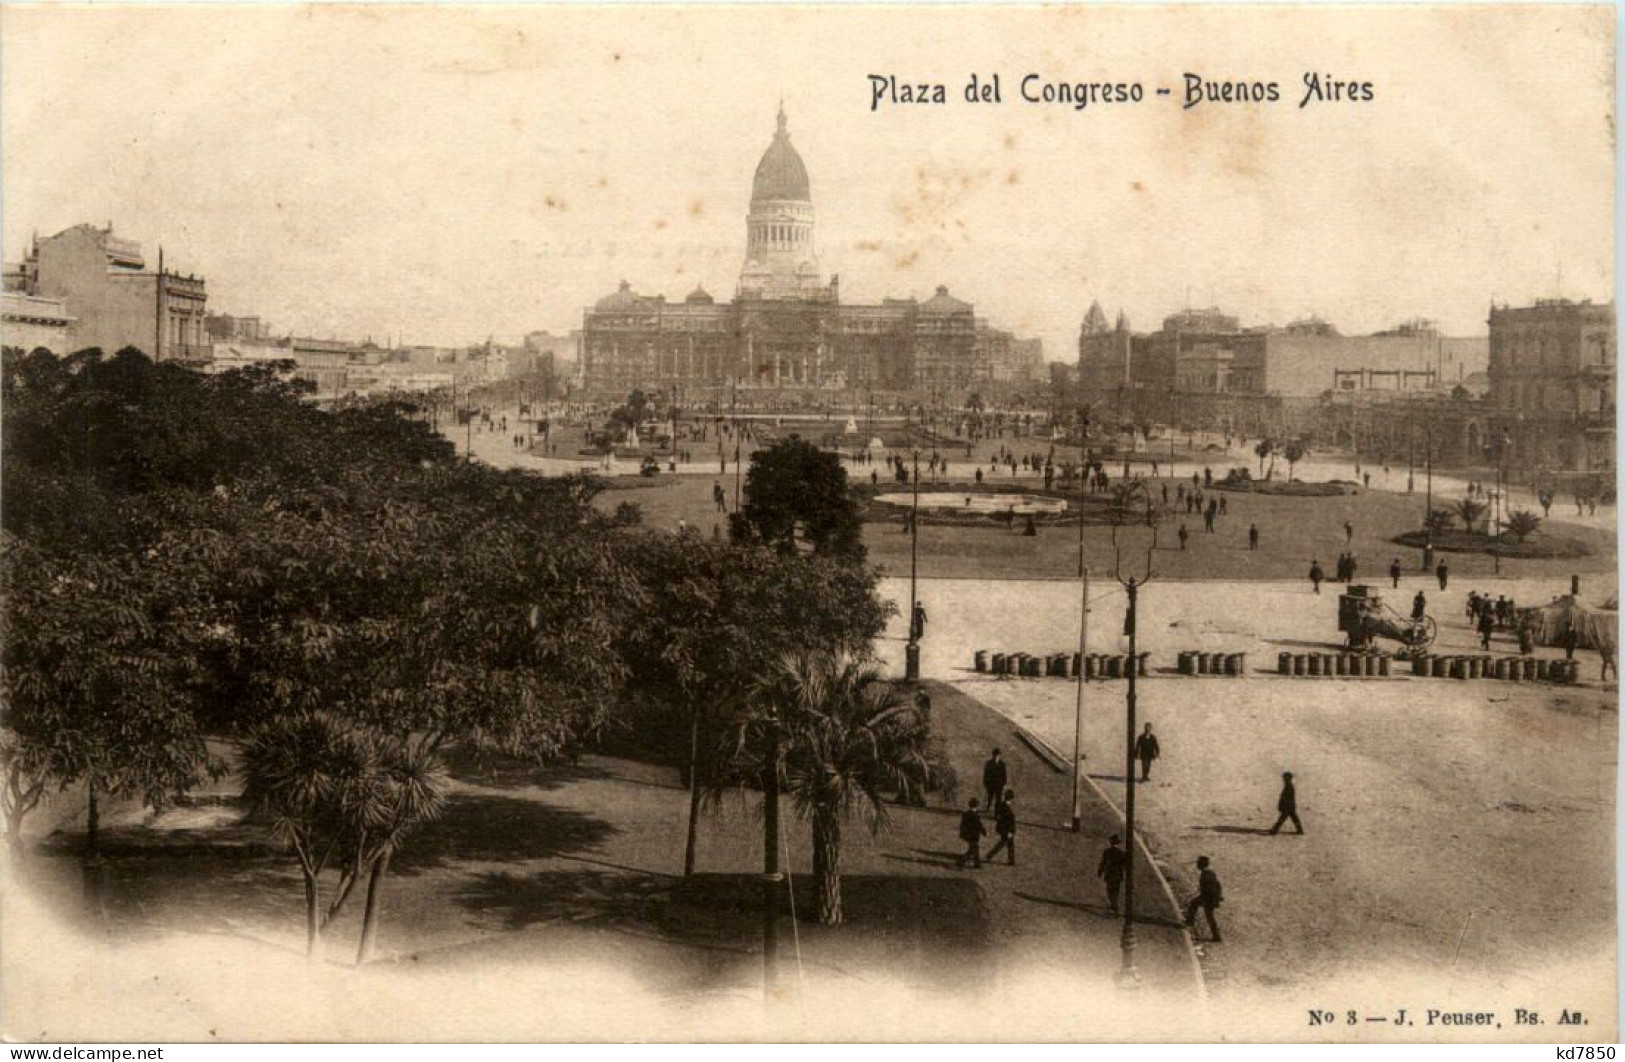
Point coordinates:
[[1183, 535], [1316, 574], [1252, 536], [1146, 749], [1287, 805], [1419, 605], [1526, 638], [971, 831], [1606, 651], [718, 495], [1209, 895], [1004, 824], [1571, 641], [1113, 865], [1350, 566], [1393, 572], [1443, 572], [1224, 505], [1031, 529], [995, 776], [1348, 531], [916, 630], [1486, 627]]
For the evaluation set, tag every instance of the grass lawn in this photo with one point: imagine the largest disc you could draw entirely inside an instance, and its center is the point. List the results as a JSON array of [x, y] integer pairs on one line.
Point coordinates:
[[1292, 532]]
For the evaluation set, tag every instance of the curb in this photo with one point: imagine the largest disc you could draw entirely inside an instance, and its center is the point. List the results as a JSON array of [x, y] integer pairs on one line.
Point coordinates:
[[1062, 765]]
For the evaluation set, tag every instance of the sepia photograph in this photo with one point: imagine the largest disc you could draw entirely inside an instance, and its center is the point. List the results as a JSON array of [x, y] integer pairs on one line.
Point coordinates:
[[903, 523]]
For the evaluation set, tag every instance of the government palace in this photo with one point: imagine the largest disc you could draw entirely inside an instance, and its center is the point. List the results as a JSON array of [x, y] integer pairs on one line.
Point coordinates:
[[787, 331]]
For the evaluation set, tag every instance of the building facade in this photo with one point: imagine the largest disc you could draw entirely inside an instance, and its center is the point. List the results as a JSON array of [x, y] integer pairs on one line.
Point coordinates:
[[786, 329], [1551, 372], [114, 299], [29, 323]]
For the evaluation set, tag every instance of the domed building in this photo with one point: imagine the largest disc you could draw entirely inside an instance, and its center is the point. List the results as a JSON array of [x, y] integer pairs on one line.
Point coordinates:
[[786, 329]]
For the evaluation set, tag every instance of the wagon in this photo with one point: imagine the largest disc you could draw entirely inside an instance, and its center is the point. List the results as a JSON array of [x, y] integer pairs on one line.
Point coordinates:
[[1363, 617]]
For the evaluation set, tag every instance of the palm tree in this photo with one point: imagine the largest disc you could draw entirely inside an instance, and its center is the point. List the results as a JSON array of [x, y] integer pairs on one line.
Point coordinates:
[[1294, 453], [847, 741], [1470, 510], [1264, 449], [1439, 521], [1521, 523]]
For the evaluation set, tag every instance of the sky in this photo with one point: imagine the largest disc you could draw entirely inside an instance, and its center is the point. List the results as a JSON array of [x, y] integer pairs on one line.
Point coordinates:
[[438, 175]]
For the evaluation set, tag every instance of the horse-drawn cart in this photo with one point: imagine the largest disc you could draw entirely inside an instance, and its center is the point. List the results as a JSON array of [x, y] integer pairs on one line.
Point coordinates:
[[1363, 617]]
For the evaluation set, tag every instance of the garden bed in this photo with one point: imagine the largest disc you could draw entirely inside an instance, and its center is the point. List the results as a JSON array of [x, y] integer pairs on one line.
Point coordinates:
[[1534, 547], [1289, 489]]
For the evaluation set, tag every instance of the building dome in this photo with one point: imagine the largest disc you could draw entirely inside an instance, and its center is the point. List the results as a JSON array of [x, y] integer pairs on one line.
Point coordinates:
[[699, 296], [781, 174]]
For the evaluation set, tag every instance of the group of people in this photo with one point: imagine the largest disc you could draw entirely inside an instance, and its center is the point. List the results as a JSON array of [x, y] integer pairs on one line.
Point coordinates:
[[1114, 859]]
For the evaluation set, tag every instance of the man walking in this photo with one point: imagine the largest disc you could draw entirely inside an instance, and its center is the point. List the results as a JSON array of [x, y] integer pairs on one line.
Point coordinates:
[[1419, 606], [1252, 536], [1113, 865], [1443, 572], [1004, 824], [1183, 535], [1486, 627], [1209, 894], [916, 629], [1146, 749], [1316, 574], [1348, 532], [1393, 572], [971, 831], [1287, 805], [718, 496], [995, 776]]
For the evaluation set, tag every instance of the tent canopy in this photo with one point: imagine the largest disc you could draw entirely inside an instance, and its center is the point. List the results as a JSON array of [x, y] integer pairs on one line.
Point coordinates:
[[1595, 627]]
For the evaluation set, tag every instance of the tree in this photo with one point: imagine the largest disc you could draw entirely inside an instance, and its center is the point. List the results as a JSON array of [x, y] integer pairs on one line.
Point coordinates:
[[1469, 510], [1265, 448], [1521, 523], [797, 494], [1546, 497], [717, 616], [846, 741], [1439, 521], [1293, 453]]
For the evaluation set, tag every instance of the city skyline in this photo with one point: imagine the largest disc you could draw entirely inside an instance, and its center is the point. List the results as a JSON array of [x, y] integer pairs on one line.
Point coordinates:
[[441, 187]]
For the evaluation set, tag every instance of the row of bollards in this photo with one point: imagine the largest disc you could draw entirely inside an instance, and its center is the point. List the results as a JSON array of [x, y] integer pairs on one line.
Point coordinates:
[[1336, 665], [1506, 668], [1062, 665], [1196, 662]]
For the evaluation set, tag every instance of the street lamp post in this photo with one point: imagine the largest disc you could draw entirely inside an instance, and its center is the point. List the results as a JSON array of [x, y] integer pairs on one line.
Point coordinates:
[[1083, 647], [1129, 974], [911, 661]]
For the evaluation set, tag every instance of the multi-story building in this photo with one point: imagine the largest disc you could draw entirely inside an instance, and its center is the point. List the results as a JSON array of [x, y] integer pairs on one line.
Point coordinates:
[[114, 299], [30, 323], [786, 329], [1552, 368]]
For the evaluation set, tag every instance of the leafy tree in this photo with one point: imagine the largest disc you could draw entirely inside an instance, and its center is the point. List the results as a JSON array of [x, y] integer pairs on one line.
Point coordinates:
[[796, 493], [842, 741], [1521, 523], [1546, 497], [1293, 453], [716, 617], [1470, 510]]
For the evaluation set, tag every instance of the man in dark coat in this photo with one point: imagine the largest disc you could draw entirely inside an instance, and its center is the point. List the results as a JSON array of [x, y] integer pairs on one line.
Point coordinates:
[[971, 831], [1316, 574], [1252, 536], [1287, 805], [1146, 749], [917, 628], [1443, 572], [1004, 824], [1393, 572], [995, 776], [1419, 605], [1486, 627], [1113, 865], [1209, 894]]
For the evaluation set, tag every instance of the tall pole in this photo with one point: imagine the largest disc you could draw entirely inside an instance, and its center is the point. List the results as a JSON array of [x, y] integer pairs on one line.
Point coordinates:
[[1077, 733], [911, 658], [1128, 972], [1427, 521], [770, 874]]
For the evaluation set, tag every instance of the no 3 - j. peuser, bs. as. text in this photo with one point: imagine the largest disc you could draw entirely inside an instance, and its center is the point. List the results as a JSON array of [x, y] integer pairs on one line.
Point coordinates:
[[1194, 91]]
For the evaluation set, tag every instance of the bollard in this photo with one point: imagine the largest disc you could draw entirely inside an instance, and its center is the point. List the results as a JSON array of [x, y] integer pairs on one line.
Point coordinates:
[[981, 660], [1458, 667], [1503, 669], [1441, 666], [1077, 664], [1091, 666], [1474, 666], [1328, 666], [1543, 669], [1300, 664], [1529, 668], [1241, 664], [1145, 663], [1185, 663], [1114, 667], [999, 663], [1063, 666], [1571, 672], [1419, 665], [1341, 663], [1283, 663], [1314, 664], [1488, 670], [1231, 664], [1384, 665], [1204, 663]]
